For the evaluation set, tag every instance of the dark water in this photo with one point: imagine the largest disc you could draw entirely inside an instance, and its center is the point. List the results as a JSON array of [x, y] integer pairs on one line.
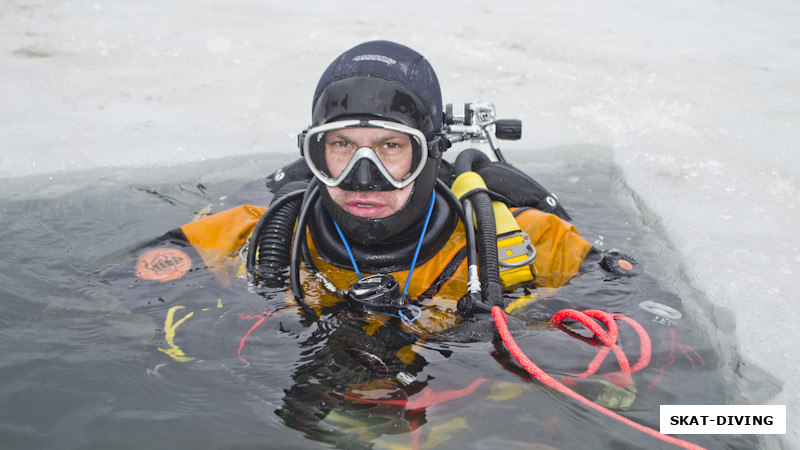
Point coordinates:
[[76, 373]]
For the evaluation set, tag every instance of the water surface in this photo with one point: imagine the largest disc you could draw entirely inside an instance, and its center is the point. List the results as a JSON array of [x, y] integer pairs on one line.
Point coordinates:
[[78, 371]]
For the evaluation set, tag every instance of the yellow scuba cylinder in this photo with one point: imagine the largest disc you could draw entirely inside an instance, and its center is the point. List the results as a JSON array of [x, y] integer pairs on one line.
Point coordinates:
[[514, 248]]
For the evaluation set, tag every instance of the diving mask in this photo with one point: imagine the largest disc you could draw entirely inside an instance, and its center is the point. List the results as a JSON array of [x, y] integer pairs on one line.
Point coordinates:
[[365, 154]]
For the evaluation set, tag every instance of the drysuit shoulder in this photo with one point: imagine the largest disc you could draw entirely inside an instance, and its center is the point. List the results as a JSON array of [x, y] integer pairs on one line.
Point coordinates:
[[560, 249], [217, 236]]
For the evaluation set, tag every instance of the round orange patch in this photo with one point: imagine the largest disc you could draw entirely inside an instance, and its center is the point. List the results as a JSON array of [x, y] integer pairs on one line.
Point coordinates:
[[163, 264], [625, 264]]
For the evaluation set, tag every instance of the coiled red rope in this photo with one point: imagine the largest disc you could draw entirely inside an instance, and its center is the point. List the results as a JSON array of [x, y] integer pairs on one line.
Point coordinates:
[[609, 341], [608, 338]]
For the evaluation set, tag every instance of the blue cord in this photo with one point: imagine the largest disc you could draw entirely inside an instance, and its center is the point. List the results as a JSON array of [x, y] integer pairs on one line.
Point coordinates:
[[419, 243], [349, 252], [413, 308], [416, 309]]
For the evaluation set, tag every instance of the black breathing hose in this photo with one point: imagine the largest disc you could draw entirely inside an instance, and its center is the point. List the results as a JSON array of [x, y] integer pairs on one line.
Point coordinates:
[[272, 236], [309, 198], [469, 229], [450, 197], [491, 287], [469, 158]]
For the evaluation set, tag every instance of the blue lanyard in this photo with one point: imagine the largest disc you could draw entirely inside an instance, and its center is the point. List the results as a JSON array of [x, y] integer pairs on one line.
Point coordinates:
[[417, 312], [419, 243], [349, 252]]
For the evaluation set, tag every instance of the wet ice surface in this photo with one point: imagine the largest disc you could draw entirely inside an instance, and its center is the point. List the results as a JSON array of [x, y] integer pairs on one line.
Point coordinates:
[[697, 101]]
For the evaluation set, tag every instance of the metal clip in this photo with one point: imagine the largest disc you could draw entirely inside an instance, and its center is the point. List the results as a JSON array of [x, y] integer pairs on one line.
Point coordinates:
[[515, 250], [515, 254]]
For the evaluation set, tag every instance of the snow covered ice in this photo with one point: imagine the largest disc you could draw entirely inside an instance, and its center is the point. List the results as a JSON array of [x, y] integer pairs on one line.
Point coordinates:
[[698, 100]]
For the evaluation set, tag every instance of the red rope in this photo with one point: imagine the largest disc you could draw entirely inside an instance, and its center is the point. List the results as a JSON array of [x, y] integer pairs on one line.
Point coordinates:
[[426, 398], [683, 348], [609, 341], [262, 317], [502, 327]]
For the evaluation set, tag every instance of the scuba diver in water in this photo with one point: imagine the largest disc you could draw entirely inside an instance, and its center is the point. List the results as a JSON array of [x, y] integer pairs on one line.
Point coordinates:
[[386, 245]]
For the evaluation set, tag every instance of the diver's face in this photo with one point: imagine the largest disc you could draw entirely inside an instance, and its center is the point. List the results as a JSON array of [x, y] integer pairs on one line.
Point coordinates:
[[395, 152]]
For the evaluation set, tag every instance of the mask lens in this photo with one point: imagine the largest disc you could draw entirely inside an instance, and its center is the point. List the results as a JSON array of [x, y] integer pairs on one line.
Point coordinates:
[[398, 152]]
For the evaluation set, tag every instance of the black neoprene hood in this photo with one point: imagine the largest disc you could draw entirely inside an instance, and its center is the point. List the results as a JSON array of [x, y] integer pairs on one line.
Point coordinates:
[[380, 79], [388, 81]]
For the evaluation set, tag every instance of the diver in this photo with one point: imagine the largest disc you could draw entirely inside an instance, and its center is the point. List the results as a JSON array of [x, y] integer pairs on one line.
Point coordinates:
[[383, 245]]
